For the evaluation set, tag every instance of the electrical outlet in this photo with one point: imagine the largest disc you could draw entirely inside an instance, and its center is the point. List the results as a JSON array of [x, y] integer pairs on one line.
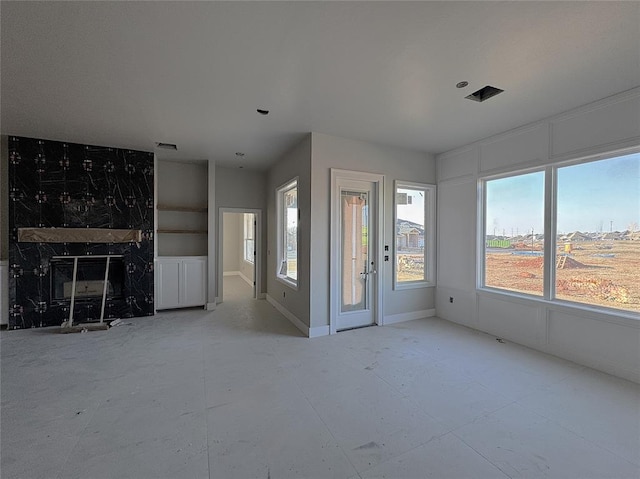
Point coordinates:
[[451, 299]]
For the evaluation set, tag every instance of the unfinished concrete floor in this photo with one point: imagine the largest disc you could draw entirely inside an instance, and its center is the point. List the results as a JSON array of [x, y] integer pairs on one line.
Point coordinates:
[[239, 393]]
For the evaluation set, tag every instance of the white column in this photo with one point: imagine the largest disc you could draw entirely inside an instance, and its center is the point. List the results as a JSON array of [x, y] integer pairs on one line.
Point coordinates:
[[212, 236]]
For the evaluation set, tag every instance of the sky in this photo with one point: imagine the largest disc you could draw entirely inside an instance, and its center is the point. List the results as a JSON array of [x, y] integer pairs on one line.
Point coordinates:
[[592, 197], [415, 211]]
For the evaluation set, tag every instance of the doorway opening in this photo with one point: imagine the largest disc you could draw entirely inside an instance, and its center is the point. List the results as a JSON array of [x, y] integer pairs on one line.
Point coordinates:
[[239, 239]]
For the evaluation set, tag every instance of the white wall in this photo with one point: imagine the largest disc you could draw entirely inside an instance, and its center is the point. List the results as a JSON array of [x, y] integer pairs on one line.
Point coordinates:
[[296, 163], [231, 242], [609, 342], [395, 164]]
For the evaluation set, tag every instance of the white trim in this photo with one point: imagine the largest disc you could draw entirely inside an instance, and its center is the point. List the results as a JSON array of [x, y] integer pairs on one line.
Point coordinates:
[[210, 306], [231, 273], [429, 248], [289, 315], [247, 280], [401, 317], [212, 236], [334, 268], [257, 266], [319, 331], [280, 234]]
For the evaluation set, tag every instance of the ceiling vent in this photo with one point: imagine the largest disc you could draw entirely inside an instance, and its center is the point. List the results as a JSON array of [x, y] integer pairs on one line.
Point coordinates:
[[167, 146], [484, 93]]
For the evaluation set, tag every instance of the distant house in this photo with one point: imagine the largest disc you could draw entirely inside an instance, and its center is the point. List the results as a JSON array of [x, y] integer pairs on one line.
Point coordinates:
[[409, 235], [578, 236]]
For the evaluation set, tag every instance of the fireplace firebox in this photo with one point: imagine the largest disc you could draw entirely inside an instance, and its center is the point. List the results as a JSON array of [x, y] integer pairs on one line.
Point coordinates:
[[89, 278]]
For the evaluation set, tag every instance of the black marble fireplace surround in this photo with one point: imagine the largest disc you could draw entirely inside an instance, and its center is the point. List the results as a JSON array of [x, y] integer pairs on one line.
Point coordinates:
[[67, 185]]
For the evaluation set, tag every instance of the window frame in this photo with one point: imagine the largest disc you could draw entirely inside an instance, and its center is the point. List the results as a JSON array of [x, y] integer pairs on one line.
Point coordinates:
[[550, 233], [249, 236], [482, 232], [429, 191], [281, 254]]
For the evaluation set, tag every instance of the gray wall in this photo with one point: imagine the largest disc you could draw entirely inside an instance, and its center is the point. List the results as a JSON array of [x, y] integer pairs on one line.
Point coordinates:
[[244, 188], [396, 164], [610, 342], [297, 163], [182, 183]]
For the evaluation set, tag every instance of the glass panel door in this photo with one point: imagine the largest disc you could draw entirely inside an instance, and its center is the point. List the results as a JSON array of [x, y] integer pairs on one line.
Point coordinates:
[[355, 250]]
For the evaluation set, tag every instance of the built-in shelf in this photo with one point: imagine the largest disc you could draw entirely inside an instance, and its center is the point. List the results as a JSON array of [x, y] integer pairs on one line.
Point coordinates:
[[191, 232], [187, 209]]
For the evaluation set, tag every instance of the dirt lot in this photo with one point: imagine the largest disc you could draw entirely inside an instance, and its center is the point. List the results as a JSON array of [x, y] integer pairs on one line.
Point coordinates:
[[606, 274]]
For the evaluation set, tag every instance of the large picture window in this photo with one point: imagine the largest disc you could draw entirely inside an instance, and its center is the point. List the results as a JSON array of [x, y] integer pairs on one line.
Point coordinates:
[[287, 196], [593, 213], [514, 233], [414, 235]]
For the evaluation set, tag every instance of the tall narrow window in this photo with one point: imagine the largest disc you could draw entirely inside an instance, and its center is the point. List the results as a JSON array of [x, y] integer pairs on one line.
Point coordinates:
[[249, 243], [514, 233], [414, 238], [288, 233]]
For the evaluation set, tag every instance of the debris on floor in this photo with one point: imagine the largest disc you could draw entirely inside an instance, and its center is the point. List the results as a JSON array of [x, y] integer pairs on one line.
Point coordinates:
[[82, 328]]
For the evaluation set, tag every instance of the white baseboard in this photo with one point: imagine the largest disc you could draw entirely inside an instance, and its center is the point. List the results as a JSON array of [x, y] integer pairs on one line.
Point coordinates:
[[319, 331], [247, 280], [289, 315], [210, 306], [399, 318], [231, 273], [262, 295]]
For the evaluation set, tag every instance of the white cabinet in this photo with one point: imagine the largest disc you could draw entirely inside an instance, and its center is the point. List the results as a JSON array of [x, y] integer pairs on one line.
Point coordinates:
[[182, 281]]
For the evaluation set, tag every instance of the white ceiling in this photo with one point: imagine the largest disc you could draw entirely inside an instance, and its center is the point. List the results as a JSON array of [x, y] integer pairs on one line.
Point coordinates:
[[129, 74]]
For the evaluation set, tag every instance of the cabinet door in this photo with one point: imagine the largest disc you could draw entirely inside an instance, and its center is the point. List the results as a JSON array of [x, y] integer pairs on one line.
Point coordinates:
[[194, 282], [169, 271]]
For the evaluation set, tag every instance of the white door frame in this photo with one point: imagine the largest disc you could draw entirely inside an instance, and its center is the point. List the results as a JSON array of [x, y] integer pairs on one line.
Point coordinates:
[[377, 250], [257, 264]]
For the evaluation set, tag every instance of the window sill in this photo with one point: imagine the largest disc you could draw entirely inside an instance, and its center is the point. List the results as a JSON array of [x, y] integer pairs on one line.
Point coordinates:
[[292, 284], [416, 285]]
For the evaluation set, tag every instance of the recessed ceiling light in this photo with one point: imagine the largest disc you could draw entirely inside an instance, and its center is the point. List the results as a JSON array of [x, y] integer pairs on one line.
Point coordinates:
[[484, 94], [239, 154], [167, 146], [462, 84], [240, 167], [262, 111]]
